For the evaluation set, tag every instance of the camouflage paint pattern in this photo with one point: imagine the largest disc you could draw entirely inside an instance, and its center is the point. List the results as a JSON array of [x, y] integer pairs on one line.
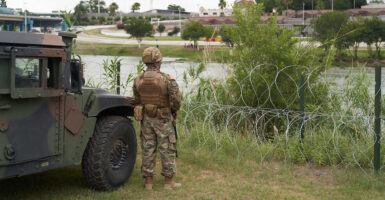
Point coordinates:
[[47, 127], [159, 134]]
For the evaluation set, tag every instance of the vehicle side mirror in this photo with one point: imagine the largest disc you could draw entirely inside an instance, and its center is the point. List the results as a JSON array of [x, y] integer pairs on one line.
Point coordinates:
[[76, 76]]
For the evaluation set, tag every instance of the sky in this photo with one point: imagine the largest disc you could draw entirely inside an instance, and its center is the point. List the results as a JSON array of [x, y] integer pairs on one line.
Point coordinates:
[[124, 5]]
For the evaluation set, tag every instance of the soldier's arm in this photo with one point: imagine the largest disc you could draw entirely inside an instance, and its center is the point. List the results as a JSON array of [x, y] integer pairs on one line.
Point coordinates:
[[136, 93], [173, 94]]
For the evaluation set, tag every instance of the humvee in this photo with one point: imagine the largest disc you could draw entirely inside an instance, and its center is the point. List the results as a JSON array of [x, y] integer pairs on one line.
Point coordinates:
[[49, 119]]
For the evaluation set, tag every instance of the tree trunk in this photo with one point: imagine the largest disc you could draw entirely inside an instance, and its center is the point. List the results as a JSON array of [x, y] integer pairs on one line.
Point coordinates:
[[196, 44], [370, 51], [355, 49], [378, 50]]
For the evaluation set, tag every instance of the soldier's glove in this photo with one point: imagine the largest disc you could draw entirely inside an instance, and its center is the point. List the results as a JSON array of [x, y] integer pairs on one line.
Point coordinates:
[[175, 115]]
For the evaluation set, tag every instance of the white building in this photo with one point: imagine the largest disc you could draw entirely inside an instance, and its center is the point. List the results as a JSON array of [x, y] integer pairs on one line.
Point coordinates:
[[374, 5], [215, 12]]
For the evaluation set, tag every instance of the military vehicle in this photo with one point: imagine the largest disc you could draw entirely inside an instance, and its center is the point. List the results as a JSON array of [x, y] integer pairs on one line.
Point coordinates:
[[49, 119]]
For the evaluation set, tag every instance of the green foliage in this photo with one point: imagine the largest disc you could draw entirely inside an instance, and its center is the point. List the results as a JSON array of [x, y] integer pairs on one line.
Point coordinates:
[[101, 19], [328, 27], [227, 33], [80, 12], [311, 4], [222, 4], [139, 28], [374, 32], [117, 18], [3, 4], [342, 4], [94, 4], [135, 7], [112, 9], [175, 31], [161, 28], [110, 73], [176, 8], [67, 19], [194, 30]]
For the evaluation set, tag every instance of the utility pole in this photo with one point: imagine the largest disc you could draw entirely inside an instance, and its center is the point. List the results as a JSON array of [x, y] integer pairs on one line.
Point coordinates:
[[25, 17], [303, 13], [98, 6], [180, 22]]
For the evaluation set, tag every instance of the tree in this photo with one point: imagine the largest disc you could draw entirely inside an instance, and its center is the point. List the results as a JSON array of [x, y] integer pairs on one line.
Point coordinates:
[[3, 4], [354, 34], [135, 6], [175, 31], [342, 4], [80, 12], [139, 28], [373, 32], [194, 30], [327, 28], [287, 3], [113, 8], [222, 5], [259, 54], [101, 19], [176, 8], [161, 28], [358, 3], [227, 33], [94, 6]]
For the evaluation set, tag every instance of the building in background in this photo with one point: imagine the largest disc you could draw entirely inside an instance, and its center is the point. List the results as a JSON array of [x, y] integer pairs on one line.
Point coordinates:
[[203, 12], [12, 20]]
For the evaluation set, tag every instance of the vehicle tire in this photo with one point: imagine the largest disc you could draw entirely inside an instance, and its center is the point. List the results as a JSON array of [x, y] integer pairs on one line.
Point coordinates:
[[109, 158]]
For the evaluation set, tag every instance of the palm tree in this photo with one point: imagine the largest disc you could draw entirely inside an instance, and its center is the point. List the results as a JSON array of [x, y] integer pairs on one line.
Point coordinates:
[[135, 6], [112, 8], [3, 4], [222, 4]]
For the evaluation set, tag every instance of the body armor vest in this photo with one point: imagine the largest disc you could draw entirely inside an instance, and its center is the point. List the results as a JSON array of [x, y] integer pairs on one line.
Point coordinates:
[[152, 89]]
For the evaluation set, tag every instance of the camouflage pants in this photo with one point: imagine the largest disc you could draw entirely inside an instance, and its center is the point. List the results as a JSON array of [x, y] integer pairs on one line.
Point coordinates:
[[158, 134]]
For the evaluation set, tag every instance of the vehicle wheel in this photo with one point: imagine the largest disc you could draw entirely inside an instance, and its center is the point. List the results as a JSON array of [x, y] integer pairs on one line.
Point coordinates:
[[110, 155]]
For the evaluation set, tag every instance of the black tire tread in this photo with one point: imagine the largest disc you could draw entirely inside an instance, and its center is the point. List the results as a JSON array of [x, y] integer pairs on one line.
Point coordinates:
[[92, 162]]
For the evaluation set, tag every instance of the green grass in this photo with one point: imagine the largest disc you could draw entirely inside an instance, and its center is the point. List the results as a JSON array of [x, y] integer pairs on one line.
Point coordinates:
[[205, 178], [97, 32], [207, 173], [217, 54]]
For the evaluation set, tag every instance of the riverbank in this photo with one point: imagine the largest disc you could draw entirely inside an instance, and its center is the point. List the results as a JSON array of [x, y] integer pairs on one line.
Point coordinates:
[[212, 54], [98, 32]]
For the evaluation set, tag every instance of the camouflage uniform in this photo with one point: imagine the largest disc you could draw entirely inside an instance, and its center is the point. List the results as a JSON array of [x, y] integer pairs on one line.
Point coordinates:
[[159, 133]]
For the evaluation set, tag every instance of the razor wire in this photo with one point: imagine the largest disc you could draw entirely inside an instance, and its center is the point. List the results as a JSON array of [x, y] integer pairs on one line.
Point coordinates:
[[339, 129]]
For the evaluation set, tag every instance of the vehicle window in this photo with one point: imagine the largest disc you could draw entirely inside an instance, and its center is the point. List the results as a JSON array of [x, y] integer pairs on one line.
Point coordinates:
[[52, 71], [28, 73]]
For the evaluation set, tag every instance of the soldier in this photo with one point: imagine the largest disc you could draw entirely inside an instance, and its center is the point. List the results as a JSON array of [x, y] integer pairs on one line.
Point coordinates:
[[158, 101]]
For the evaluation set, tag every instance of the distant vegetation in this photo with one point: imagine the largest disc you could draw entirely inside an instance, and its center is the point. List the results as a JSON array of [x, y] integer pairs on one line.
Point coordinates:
[[335, 29]]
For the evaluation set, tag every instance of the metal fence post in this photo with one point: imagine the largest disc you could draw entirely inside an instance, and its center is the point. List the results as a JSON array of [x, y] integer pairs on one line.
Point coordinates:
[[118, 78], [377, 120], [302, 105]]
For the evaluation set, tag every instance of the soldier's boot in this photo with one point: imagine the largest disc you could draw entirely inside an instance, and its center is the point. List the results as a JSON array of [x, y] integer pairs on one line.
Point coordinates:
[[149, 183], [170, 184]]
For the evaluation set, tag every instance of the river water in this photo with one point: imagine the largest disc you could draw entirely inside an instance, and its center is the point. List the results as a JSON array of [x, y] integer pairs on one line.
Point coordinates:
[[94, 70]]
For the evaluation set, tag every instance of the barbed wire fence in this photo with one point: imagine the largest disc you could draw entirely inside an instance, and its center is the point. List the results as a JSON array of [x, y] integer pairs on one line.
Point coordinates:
[[302, 114]]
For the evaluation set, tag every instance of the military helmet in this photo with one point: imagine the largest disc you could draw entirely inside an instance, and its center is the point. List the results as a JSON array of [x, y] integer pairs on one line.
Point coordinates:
[[151, 55]]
